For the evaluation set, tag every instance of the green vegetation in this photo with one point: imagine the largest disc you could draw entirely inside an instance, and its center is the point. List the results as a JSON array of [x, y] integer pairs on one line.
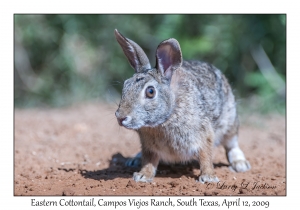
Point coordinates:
[[65, 59]]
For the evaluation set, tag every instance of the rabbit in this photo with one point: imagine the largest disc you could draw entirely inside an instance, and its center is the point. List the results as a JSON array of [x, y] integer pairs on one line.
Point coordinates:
[[180, 110]]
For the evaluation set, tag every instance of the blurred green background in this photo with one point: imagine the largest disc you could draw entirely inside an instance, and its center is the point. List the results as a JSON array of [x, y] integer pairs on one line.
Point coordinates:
[[65, 59]]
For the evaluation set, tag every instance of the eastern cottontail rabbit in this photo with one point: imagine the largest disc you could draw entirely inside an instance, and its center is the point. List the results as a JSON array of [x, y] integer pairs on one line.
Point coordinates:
[[180, 109]]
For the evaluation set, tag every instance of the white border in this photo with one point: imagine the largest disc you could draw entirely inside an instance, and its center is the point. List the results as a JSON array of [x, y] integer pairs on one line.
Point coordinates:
[[8, 8]]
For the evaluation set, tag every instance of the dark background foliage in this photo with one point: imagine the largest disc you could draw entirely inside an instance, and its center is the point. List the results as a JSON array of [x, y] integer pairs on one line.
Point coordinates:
[[66, 59]]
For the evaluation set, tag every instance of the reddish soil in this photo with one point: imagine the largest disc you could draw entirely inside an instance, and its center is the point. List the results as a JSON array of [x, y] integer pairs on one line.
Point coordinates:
[[81, 150]]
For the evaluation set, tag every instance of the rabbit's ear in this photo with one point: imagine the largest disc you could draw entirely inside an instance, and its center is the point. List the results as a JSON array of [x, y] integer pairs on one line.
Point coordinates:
[[134, 53], [168, 57]]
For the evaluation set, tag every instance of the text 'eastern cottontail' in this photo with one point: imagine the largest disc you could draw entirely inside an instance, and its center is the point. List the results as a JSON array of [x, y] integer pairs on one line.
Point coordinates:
[[180, 110]]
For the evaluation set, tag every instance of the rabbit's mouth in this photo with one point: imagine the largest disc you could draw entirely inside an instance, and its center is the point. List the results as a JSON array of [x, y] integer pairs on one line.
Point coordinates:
[[128, 123], [138, 125], [135, 124], [132, 127]]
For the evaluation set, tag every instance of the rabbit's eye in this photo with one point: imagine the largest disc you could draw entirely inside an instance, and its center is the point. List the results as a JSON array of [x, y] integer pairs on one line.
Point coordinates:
[[150, 92]]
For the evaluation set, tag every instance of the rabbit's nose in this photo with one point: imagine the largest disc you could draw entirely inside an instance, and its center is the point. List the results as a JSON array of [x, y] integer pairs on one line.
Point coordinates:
[[123, 121], [120, 120]]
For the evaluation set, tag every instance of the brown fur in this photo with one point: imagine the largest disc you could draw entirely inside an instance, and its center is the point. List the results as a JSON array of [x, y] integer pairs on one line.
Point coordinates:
[[193, 110]]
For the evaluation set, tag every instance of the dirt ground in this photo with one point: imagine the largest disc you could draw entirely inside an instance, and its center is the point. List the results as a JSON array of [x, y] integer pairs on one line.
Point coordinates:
[[81, 150]]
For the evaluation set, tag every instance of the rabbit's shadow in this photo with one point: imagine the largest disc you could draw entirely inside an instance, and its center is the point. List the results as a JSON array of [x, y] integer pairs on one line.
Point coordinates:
[[117, 169]]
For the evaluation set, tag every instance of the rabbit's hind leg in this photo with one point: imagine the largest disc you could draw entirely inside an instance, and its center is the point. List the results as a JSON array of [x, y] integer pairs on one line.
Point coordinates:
[[235, 155]]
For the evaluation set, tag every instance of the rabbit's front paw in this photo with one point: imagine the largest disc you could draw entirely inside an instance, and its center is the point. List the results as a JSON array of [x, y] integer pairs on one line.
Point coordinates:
[[208, 178], [240, 165], [141, 177]]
